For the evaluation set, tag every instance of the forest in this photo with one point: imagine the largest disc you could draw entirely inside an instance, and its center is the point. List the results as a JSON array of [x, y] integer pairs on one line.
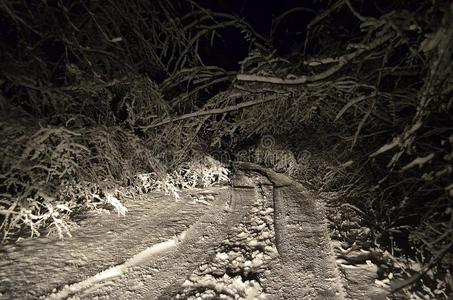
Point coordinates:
[[99, 99]]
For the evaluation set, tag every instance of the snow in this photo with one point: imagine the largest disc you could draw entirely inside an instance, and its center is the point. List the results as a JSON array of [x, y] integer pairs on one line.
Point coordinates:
[[249, 249], [137, 260]]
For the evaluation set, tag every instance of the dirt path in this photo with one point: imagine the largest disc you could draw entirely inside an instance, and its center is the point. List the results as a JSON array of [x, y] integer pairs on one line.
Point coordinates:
[[255, 240]]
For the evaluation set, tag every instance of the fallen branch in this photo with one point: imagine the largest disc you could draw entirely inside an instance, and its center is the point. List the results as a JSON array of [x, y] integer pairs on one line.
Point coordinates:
[[342, 61]]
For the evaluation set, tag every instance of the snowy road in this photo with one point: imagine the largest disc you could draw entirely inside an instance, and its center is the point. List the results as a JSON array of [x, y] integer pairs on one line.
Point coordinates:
[[258, 239]]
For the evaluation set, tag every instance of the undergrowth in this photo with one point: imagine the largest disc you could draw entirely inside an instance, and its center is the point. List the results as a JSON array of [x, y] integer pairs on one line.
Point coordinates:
[[49, 174]]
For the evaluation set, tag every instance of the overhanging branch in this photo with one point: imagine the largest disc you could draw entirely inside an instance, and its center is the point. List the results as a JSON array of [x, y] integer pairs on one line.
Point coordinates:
[[214, 111], [342, 61]]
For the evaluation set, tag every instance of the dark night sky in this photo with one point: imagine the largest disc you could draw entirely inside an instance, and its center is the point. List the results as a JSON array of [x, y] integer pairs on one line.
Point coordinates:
[[259, 14]]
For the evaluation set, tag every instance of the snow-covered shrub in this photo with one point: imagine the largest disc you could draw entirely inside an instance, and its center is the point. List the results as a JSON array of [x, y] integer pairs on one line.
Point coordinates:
[[200, 171], [49, 173], [34, 163]]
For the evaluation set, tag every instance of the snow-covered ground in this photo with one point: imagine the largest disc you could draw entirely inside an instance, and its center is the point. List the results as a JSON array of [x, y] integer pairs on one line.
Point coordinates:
[[253, 240], [242, 260]]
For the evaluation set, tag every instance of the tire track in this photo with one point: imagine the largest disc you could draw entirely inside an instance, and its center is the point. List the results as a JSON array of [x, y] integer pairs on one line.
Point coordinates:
[[160, 278], [306, 269]]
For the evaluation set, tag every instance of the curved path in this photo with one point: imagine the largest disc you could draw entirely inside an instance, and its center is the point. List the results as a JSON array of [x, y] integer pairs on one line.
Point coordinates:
[[259, 239]]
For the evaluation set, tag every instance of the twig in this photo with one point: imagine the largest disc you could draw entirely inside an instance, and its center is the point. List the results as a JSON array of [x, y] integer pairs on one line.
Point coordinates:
[[362, 122], [356, 14], [318, 18], [18, 19], [321, 16], [405, 283]]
